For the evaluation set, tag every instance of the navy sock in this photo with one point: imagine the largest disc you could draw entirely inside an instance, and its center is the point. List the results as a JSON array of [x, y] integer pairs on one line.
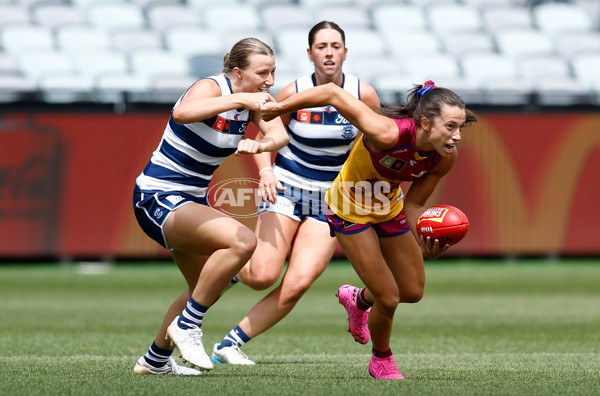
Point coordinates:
[[236, 336], [157, 357], [192, 315]]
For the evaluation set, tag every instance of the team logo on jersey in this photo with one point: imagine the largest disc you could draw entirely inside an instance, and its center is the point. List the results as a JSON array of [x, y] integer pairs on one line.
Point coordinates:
[[348, 132], [221, 125], [392, 163], [328, 108]]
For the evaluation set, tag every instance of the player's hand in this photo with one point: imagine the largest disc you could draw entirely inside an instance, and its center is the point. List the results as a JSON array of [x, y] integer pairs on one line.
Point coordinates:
[[268, 186], [269, 110], [431, 247], [249, 146], [254, 101]]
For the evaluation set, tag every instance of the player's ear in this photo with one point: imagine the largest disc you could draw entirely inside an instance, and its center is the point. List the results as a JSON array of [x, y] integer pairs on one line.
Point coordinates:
[[238, 72], [425, 124], [309, 53]]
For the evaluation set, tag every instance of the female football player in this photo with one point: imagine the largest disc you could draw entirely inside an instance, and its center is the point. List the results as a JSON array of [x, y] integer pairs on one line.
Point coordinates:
[[207, 124], [371, 217], [320, 141]]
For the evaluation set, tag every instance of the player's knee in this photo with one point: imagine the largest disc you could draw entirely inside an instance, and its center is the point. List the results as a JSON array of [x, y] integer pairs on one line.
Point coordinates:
[[262, 281], [293, 291], [412, 297], [245, 243], [388, 303], [261, 276], [412, 294]]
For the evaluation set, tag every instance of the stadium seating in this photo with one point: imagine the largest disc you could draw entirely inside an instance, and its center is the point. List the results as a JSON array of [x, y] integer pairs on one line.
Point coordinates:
[[206, 65], [518, 42], [557, 18], [459, 43], [66, 87], [164, 16], [521, 50], [189, 40], [408, 43], [509, 16], [20, 38], [344, 15], [110, 16], [97, 63], [11, 13], [73, 38], [231, 17], [129, 39], [52, 15], [398, 17], [569, 44]]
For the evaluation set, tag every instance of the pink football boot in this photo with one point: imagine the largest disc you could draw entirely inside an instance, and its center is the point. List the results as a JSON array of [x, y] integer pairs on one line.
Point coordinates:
[[357, 318], [384, 368]]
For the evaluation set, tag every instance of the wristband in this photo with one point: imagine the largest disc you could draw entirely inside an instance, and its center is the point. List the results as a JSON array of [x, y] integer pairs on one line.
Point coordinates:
[[265, 169]]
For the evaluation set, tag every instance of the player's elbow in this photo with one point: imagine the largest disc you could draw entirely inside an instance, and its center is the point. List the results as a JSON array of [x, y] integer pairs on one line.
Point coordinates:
[[180, 116], [177, 116]]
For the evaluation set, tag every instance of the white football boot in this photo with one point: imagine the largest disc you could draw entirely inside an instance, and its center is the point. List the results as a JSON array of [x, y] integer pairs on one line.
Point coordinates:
[[189, 343], [170, 368], [230, 355]]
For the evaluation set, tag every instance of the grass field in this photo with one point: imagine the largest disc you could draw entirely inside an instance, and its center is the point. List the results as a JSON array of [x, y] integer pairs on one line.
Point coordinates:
[[483, 328]]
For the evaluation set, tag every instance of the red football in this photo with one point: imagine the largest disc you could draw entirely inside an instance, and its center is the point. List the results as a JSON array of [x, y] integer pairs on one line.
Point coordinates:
[[443, 222]]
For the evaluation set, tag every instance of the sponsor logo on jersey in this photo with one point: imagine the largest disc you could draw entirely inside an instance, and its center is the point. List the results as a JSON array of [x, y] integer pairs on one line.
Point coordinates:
[[395, 164], [340, 119], [303, 116], [221, 125], [310, 117]]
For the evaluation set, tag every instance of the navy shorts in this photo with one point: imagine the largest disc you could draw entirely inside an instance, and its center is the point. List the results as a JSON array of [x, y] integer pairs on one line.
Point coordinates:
[[152, 209]]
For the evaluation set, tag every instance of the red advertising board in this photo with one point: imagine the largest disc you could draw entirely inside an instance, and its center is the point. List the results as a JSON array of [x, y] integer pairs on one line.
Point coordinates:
[[527, 182]]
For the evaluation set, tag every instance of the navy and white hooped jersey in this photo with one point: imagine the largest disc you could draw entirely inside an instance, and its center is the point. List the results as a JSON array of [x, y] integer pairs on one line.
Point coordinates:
[[188, 154], [320, 141]]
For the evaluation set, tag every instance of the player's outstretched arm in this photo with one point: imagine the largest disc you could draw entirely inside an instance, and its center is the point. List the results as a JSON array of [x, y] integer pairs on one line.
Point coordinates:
[[381, 131]]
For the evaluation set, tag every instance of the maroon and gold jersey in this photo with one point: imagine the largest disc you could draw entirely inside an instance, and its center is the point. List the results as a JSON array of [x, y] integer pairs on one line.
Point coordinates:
[[367, 189]]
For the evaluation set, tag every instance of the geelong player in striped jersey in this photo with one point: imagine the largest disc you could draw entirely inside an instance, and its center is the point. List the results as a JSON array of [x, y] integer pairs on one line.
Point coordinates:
[[320, 141], [207, 125]]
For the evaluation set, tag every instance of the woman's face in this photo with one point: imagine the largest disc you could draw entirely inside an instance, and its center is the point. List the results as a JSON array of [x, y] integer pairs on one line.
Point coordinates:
[[259, 76], [328, 52], [445, 130]]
